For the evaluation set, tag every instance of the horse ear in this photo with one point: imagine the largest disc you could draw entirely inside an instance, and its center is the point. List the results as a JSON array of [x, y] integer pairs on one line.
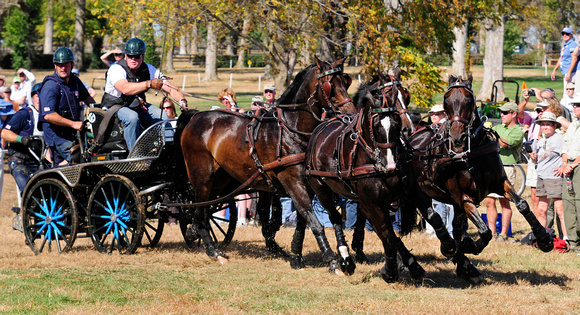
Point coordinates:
[[319, 63], [340, 62], [348, 79], [452, 78], [469, 79]]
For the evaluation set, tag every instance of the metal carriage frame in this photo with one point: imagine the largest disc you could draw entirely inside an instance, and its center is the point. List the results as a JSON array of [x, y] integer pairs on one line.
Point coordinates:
[[120, 203]]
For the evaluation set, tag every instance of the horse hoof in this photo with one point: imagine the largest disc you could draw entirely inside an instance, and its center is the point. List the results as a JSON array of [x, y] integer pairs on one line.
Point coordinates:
[[347, 265], [334, 267], [449, 249], [222, 260], [296, 262], [417, 273], [469, 273], [389, 278]]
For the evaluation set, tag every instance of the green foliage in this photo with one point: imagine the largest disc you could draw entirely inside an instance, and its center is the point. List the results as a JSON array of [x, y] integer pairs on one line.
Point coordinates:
[[147, 35], [19, 31], [424, 77], [512, 38]]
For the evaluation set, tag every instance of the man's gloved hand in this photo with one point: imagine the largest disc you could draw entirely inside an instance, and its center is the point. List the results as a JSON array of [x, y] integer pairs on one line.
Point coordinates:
[[157, 84], [26, 140]]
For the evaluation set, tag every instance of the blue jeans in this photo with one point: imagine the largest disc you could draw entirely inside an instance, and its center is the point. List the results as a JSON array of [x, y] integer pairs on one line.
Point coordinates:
[[321, 213], [446, 212], [352, 214], [287, 208], [21, 171], [61, 152], [132, 121]]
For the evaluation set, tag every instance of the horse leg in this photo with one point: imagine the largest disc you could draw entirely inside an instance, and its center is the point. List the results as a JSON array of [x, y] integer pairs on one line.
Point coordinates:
[[202, 215], [544, 239], [346, 262], [270, 226], [358, 238], [415, 270], [467, 245], [466, 270], [296, 261]]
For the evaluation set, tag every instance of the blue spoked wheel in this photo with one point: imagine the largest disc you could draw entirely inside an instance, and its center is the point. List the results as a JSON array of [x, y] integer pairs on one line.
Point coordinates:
[[50, 217], [116, 215]]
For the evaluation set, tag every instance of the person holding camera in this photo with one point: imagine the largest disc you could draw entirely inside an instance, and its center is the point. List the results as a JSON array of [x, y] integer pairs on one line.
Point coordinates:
[[19, 132], [227, 97]]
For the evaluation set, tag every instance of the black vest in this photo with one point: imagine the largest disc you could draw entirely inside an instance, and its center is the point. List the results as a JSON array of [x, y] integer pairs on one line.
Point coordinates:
[[126, 100]]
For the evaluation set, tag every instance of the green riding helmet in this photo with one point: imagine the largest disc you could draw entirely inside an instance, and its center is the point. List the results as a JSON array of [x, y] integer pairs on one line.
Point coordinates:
[[63, 55], [35, 88], [135, 46]]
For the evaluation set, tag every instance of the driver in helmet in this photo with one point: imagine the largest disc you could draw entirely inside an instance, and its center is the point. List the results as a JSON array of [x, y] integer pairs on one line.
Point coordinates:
[[60, 109], [126, 84]]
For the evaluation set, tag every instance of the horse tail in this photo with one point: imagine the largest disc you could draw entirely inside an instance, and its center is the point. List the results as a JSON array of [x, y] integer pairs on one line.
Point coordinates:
[[182, 121], [408, 217]]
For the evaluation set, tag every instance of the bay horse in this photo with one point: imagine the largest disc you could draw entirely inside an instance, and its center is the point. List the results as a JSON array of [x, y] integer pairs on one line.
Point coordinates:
[[356, 157], [459, 164], [222, 159]]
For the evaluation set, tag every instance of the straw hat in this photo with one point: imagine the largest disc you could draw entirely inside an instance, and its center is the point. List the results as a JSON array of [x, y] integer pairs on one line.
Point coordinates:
[[437, 108], [549, 116]]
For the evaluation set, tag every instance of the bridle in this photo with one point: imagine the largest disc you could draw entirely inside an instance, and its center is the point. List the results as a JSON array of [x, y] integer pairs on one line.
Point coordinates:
[[326, 89], [467, 125], [403, 111]]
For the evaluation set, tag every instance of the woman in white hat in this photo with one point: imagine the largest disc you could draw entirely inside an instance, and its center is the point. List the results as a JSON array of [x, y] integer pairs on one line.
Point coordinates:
[[552, 105], [547, 155]]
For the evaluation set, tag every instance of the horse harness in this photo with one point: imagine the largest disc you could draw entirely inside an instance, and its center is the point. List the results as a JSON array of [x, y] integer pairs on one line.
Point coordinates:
[[301, 138]]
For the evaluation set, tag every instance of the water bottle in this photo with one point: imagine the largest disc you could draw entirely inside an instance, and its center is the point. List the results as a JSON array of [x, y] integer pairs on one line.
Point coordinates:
[[570, 186]]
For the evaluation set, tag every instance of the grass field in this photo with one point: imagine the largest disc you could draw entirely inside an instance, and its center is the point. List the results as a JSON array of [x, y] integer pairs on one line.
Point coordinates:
[[174, 280]]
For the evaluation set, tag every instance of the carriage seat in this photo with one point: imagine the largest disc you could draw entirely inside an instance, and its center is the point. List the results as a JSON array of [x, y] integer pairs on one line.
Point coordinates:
[[114, 146]]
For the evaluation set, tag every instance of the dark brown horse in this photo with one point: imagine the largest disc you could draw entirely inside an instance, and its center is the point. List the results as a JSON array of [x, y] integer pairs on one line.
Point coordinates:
[[220, 156], [459, 164], [357, 158]]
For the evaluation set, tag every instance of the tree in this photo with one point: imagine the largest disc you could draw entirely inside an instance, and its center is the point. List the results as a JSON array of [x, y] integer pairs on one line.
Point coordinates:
[[19, 31], [493, 59], [48, 28], [210, 53], [460, 50], [79, 40]]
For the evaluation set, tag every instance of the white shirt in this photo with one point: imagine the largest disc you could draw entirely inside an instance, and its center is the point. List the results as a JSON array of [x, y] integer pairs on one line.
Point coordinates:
[[116, 73]]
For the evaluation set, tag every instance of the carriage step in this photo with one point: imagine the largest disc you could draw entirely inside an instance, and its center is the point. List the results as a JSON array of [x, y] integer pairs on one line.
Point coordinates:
[[17, 223]]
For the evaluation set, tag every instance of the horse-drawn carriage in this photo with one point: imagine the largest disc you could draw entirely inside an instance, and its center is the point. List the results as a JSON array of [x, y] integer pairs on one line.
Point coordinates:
[[118, 198]]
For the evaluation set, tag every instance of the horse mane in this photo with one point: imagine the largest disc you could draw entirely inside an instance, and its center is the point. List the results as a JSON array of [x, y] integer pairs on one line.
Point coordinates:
[[361, 95], [292, 92]]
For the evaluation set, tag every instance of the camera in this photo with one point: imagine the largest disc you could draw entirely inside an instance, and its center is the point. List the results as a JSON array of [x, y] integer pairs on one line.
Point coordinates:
[[531, 92]]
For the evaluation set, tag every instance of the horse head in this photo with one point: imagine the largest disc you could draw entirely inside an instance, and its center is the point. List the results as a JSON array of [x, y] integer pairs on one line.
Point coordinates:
[[380, 121], [332, 87], [461, 110]]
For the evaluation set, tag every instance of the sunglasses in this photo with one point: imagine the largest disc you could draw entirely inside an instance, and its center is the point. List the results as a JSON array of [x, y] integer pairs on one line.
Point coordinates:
[[167, 107], [119, 55], [268, 91], [565, 34], [572, 89], [505, 112], [539, 110], [576, 105], [134, 56]]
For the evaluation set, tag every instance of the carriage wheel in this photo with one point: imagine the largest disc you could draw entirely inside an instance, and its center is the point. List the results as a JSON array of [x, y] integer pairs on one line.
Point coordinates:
[[221, 229], [116, 215], [153, 229], [50, 216]]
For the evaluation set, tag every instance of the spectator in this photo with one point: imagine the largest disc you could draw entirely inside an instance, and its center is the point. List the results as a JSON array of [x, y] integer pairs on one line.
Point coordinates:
[[568, 96], [552, 105], [127, 82], [2, 80], [19, 132], [92, 91], [117, 53], [28, 81], [565, 60], [547, 155], [6, 110], [168, 108], [60, 110], [510, 142], [270, 95], [18, 96], [570, 161], [227, 97]]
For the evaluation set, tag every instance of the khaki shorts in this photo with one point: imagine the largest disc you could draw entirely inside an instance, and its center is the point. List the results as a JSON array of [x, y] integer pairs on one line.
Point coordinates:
[[510, 172], [549, 187]]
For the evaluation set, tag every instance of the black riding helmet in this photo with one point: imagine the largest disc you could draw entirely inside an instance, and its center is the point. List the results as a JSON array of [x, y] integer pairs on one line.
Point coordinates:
[[63, 55], [135, 46], [35, 89]]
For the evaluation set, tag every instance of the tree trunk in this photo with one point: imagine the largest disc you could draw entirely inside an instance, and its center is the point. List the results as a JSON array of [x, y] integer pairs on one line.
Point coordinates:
[[78, 45], [168, 67], [48, 30], [243, 43], [493, 60], [230, 42], [194, 39], [183, 42], [210, 53], [459, 50]]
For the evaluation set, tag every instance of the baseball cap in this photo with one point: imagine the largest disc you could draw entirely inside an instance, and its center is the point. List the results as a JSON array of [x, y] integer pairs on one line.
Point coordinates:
[[75, 71], [16, 79], [567, 30], [3, 89], [509, 106], [270, 87]]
